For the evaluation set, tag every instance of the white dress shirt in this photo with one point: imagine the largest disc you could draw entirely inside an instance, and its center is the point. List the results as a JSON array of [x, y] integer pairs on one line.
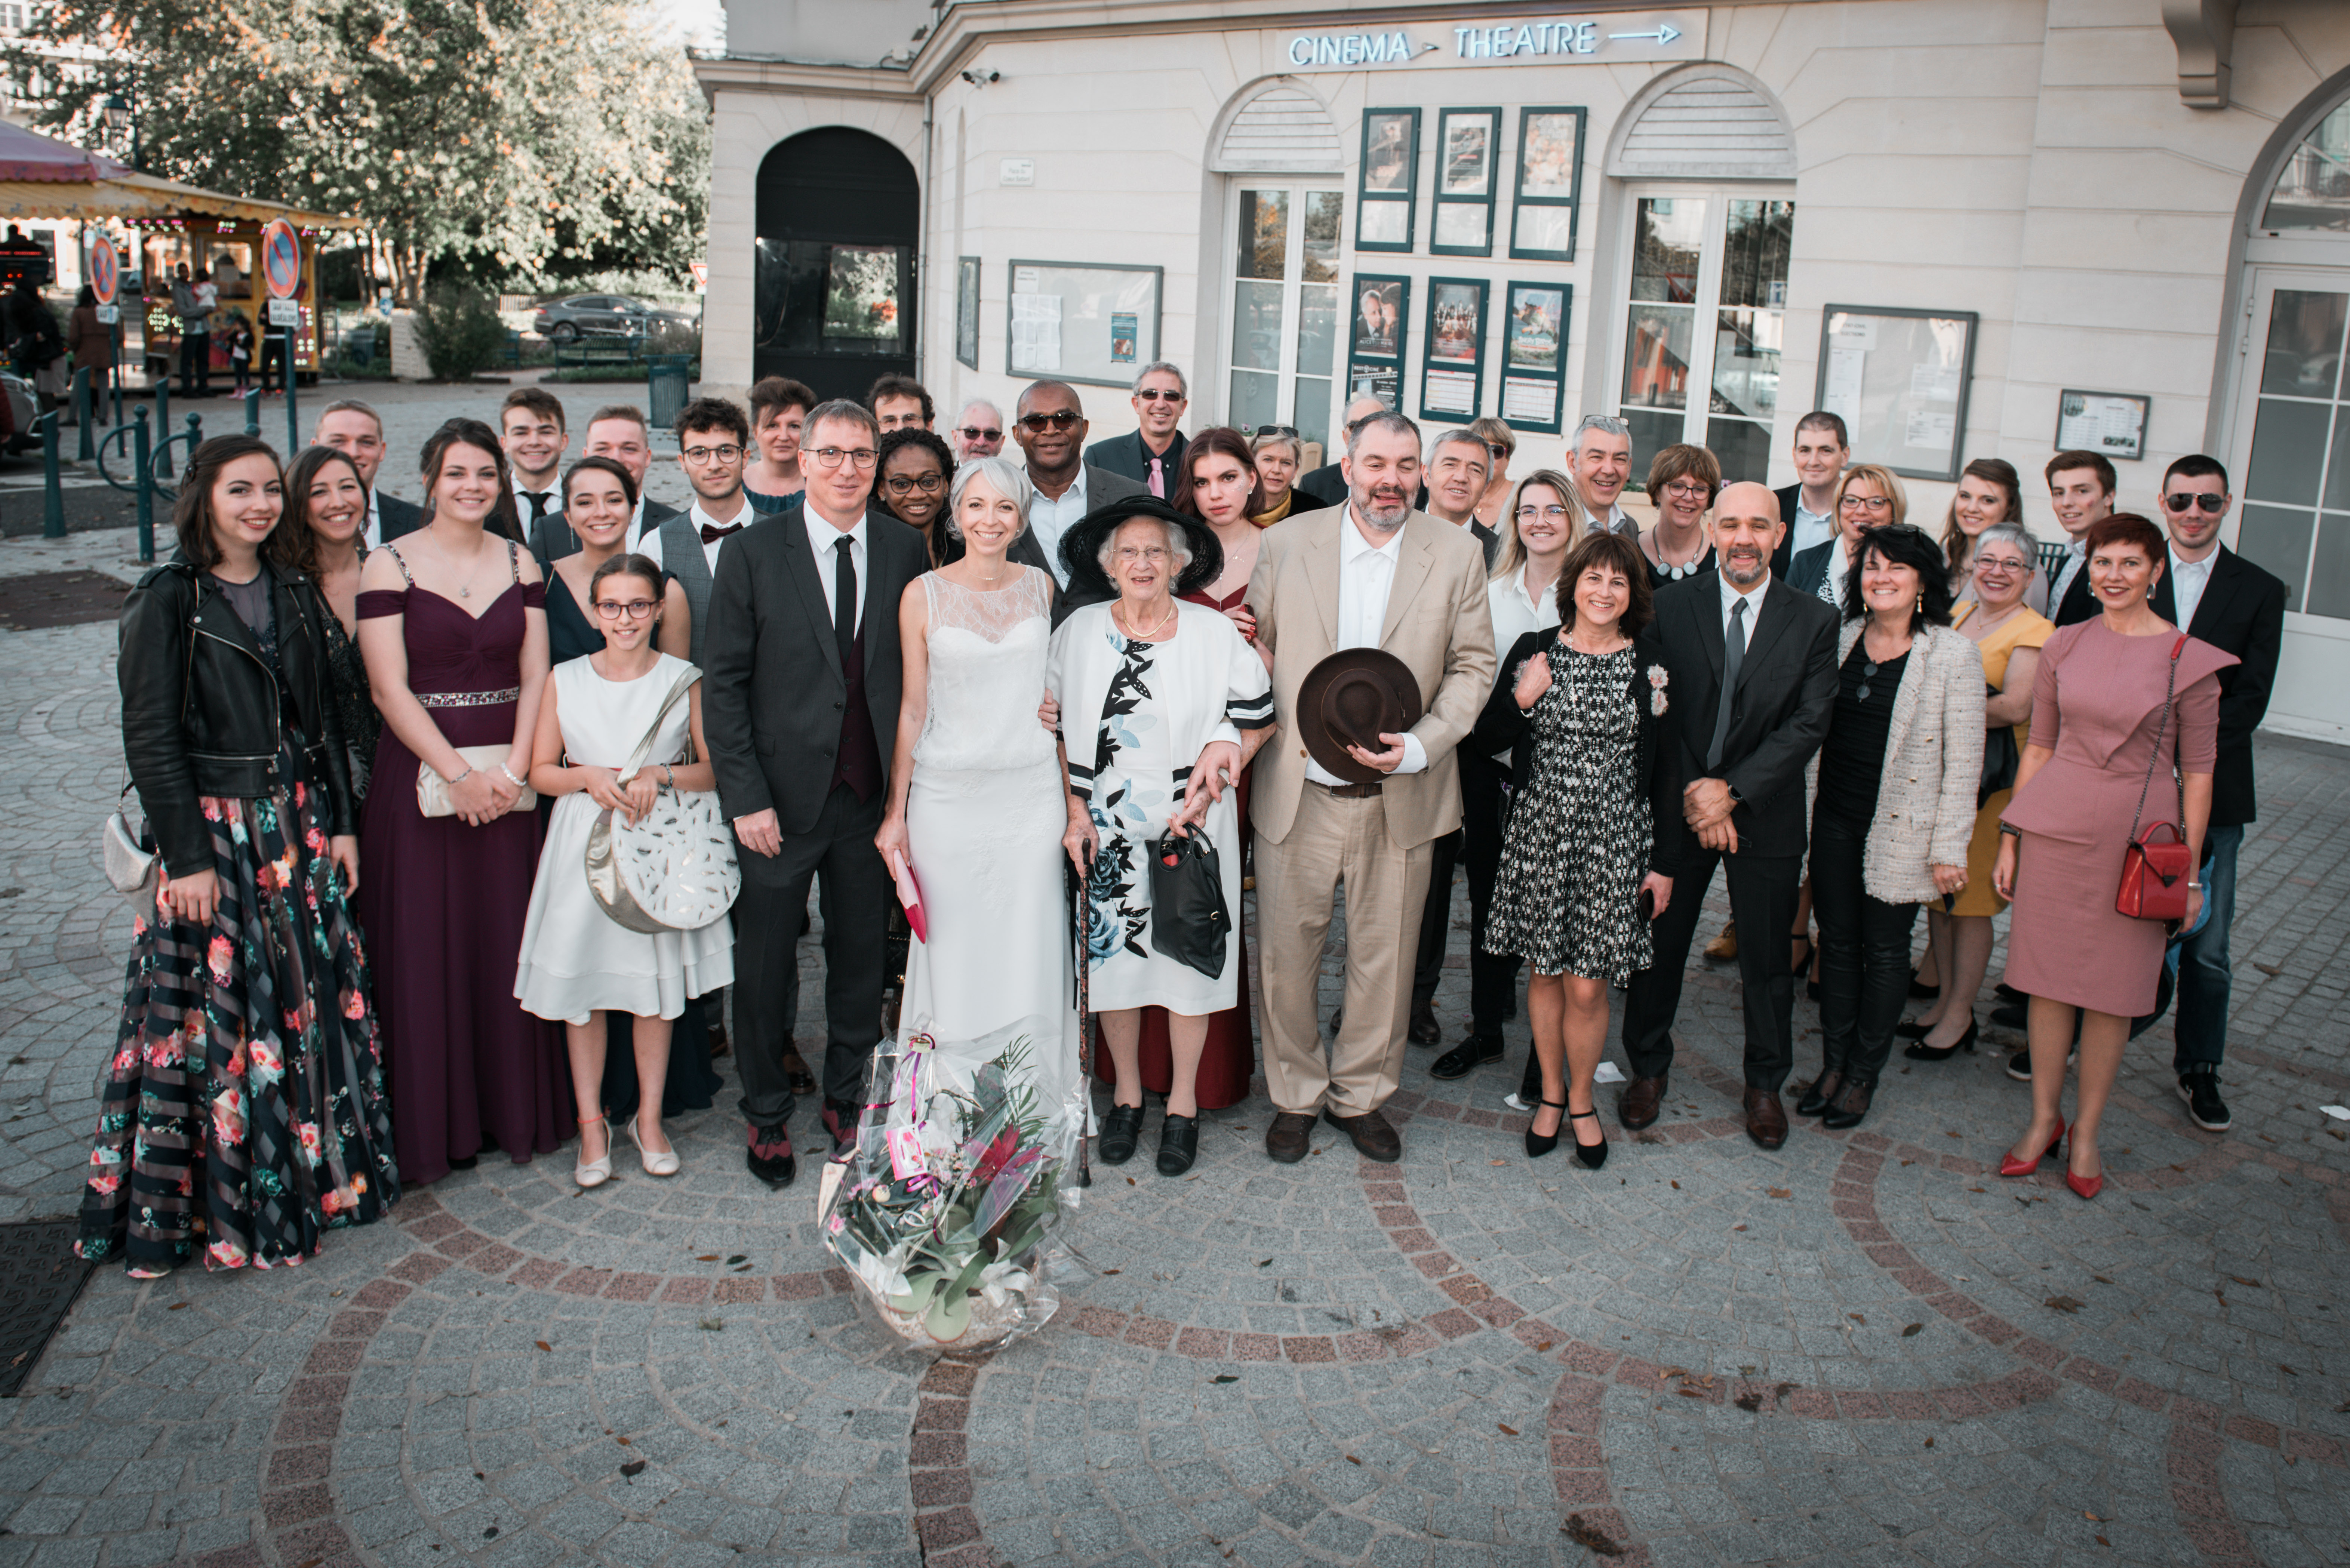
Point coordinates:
[[650, 547], [2188, 581], [1730, 597], [1809, 529], [2076, 556], [374, 523], [521, 493], [1365, 577], [1049, 519], [825, 540]]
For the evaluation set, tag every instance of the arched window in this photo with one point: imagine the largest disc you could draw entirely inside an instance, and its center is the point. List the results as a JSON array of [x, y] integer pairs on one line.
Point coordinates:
[[2312, 190], [1284, 219], [839, 215]]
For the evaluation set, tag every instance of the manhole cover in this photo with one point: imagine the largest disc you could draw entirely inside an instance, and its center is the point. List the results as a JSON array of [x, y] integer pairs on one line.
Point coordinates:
[[39, 1277], [59, 598]]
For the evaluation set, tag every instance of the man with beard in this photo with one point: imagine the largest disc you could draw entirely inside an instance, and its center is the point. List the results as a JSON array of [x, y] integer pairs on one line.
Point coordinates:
[[1374, 574], [1757, 662]]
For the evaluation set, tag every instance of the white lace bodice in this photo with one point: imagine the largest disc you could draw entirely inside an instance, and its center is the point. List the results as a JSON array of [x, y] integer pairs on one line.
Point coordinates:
[[987, 656]]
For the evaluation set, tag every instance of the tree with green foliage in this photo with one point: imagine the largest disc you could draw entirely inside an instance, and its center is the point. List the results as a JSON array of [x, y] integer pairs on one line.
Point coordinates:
[[520, 138]]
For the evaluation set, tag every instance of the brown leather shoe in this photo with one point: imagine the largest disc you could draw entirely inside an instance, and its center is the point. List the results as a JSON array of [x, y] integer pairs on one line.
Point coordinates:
[[1285, 1140], [1374, 1137], [1641, 1100], [1723, 948], [1766, 1118], [1424, 1028]]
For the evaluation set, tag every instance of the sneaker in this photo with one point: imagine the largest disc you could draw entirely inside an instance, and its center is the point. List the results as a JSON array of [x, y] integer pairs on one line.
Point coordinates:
[[2200, 1087]]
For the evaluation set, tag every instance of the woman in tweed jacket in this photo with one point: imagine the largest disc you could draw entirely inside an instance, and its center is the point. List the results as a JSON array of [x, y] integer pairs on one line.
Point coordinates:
[[1893, 805]]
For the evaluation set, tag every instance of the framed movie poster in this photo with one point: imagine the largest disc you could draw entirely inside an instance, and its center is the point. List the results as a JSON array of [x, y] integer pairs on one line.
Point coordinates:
[[1390, 180], [1534, 355], [1468, 143], [1901, 379], [1550, 184], [1454, 366], [1375, 338], [967, 310]]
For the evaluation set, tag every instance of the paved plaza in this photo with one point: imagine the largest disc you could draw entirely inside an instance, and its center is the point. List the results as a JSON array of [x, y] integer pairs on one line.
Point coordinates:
[[1863, 1349]]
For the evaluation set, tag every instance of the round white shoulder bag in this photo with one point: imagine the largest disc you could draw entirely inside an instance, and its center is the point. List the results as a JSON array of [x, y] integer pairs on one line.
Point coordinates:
[[673, 869]]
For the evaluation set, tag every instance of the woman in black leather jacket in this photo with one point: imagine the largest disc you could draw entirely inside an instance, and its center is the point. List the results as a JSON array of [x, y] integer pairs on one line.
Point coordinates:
[[243, 1114]]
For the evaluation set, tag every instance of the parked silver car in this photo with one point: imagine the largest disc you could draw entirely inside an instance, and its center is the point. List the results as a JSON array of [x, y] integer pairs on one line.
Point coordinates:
[[602, 315]]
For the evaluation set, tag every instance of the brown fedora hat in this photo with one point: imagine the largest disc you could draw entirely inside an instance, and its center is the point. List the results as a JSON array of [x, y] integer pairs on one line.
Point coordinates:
[[1354, 697]]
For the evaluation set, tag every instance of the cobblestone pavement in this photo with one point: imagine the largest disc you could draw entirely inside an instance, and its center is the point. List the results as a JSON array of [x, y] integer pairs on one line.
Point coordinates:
[[1861, 1349]]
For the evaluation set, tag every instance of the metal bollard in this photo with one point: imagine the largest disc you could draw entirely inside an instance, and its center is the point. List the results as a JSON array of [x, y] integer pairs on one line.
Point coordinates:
[[114, 369], [163, 425], [252, 411], [143, 451], [293, 426], [85, 411], [52, 505], [195, 437]]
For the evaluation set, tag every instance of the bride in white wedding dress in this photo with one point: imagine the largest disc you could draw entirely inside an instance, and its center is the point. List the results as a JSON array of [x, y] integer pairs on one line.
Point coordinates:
[[979, 806]]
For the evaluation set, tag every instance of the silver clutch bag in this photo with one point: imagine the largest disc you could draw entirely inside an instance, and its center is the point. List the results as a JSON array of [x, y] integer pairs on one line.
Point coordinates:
[[432, 790], [132, 866]]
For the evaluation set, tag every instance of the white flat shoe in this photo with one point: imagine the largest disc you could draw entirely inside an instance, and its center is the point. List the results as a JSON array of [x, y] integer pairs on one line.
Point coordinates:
[[665, 1163], [598, 1172]]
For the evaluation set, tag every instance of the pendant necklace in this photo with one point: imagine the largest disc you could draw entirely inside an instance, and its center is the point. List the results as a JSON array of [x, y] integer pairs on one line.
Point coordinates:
[[1682, 569], [1144, 636]]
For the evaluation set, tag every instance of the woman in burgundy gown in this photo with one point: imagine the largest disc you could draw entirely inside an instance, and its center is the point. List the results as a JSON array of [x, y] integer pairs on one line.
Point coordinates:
[[1220, 487], [452, 625]]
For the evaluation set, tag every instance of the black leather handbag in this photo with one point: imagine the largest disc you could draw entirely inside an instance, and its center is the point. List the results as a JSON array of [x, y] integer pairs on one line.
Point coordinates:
[[2000, 760], [1189, 922]]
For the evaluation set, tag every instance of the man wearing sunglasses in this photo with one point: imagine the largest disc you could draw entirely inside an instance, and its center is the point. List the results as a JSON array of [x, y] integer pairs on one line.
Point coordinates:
[[2215, 595], [1153, 454], [1327, 485], [978, 430], [800, 697], [1049, 423]]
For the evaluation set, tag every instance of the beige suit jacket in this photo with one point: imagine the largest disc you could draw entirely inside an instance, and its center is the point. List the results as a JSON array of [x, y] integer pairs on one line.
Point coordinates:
[[1437, 622]]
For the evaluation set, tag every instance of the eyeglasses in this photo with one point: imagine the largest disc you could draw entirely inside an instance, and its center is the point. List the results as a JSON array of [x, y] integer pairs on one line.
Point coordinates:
[[1058, 419], [2214, 505], [699, 455], [1154, 394], [832, 456], [1129, 554], [1867, 503], [973, 432], [1498, 449], [1274, 429], [1688, 487], [1552, 513], [1998, 564], [635, 610], [928, 483]]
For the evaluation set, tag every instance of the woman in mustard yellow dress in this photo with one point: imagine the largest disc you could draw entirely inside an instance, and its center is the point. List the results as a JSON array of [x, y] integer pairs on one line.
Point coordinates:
[[2008, 633]]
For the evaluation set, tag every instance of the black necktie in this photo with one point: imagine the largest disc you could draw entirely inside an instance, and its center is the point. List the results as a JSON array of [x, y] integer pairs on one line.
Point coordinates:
[[1733, 654], [538, 507], [844, 602]]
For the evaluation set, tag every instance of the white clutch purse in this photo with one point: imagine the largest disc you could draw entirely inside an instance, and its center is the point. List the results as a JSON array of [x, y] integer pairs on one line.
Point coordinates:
[[432, 790]]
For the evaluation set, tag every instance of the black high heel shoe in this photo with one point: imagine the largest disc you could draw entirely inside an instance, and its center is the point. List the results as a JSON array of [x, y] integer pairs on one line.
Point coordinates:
[[1921, 1051], [1592, 1155], [1850, 1105], [1823, 1088], [1537, 1145], [1120, 1131], [1178, 1144]]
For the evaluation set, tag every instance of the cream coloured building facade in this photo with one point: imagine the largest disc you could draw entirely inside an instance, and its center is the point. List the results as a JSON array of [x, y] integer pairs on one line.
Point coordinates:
[[1967, 224]]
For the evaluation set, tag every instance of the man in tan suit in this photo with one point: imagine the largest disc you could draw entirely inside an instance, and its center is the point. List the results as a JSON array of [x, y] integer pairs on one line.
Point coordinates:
[[1371, 574]]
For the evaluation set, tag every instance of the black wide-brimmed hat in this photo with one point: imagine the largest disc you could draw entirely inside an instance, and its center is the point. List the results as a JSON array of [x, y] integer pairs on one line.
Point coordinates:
[[1352, 698], [1081, 548]]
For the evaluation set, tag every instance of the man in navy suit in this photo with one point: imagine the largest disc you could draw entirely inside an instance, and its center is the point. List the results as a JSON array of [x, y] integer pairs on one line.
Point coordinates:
[[1153, 455]]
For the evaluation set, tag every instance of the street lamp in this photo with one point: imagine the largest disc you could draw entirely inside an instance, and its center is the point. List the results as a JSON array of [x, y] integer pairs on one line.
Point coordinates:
[[119, 115]]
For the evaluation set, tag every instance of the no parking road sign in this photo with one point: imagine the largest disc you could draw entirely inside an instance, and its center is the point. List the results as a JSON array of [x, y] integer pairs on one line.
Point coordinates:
[[281, 259], [105, 269]]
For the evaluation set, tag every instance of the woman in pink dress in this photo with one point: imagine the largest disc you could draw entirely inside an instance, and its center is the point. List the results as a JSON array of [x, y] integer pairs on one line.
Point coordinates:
[[453, 627], [2103, 741]]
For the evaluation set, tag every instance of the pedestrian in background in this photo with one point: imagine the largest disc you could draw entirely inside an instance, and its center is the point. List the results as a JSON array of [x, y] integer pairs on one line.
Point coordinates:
[[92, 342], [243, 1114]]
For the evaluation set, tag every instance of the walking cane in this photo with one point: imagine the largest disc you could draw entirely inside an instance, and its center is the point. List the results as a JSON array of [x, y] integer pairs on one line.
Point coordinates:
[[1080, 907]]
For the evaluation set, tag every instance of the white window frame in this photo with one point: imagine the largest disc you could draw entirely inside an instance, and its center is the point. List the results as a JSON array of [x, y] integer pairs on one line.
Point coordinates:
[[1293, 291]]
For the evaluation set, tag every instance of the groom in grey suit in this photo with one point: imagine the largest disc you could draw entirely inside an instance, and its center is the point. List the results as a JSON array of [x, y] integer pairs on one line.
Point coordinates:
[[801, 683]]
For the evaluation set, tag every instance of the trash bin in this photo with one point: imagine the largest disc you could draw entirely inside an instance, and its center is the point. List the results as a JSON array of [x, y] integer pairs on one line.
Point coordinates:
[[665, 388]]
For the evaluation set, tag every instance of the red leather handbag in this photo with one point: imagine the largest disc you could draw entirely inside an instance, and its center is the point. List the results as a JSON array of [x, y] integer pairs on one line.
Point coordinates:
[[2155, 875]]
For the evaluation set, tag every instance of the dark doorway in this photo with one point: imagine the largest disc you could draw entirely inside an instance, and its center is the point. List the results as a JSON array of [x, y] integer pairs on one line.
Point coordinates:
[[839, 215]]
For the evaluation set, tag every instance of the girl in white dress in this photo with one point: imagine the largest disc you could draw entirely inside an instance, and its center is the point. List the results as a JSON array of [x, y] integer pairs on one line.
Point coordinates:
[[978, 806], [578, 963]]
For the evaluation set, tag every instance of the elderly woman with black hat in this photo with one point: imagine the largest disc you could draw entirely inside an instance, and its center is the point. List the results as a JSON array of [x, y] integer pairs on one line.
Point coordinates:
[[1162, 704]]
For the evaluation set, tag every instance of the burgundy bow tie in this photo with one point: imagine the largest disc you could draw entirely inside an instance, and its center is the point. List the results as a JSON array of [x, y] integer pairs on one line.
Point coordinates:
[[712, 532]]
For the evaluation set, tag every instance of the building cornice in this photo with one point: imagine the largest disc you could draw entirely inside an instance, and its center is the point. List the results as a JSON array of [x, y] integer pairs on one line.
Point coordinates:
[[889, 84]]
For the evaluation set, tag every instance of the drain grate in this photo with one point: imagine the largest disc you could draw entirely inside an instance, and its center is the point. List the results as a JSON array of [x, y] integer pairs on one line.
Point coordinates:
[[58, 598], [39, 1278]]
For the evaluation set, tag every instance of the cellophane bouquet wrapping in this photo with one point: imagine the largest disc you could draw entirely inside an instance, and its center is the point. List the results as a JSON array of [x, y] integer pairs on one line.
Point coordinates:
[[946, 1209]]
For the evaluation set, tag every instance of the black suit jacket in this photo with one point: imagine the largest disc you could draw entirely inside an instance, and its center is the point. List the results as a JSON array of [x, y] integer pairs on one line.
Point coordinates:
[[1780, 712], [1782, 558], [773, 688], [1125, 455], [2079, 606], [399, 518], [2241, 612], [1807, 571]]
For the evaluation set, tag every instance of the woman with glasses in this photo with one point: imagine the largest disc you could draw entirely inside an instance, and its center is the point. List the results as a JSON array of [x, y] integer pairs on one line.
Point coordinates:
[[2009, 634], [1164, 704], [1893, 791], [1989, 494], [579, 966], [1276, 453], [1682, 482], [1868, 495], [915, 468], [1502, 442]]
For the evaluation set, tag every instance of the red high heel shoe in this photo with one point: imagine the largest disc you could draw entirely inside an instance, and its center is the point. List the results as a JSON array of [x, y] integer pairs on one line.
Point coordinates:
[[2010, 1166], [2084, 1186]]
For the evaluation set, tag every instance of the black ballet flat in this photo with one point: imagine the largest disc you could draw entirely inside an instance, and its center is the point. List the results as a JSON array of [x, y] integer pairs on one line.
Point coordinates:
[[1823, 1088], [1120, 1131], [1178, 1144], [1850, 1106], [1921, 1051], [1537, 1145], [1592, 1155]]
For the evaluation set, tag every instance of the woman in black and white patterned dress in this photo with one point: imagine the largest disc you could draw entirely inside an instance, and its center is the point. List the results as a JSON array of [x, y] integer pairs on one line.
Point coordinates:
[[1595, 823]]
